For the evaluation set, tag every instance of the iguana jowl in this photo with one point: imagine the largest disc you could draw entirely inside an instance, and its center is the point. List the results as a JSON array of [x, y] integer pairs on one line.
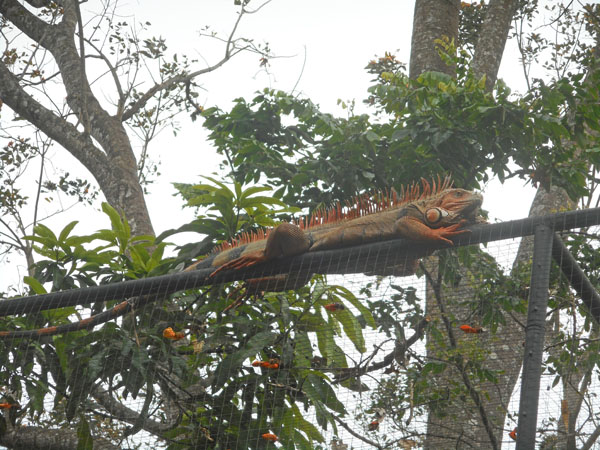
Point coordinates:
[[431, 214]]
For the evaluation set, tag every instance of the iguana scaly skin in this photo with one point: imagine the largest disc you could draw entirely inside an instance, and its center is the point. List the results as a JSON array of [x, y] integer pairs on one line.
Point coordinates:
[[431, 214]]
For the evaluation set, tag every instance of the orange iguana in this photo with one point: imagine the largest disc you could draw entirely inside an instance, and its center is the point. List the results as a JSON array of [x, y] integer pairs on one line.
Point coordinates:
[[433, 213]]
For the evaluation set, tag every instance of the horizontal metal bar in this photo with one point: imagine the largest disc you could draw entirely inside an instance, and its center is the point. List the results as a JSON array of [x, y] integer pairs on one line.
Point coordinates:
[[357, 259]]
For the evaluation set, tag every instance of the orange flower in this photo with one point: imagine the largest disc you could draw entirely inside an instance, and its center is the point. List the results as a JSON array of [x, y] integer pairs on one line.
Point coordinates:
[[170, 334], [470, 329], [269, 437], [334, 307], [9, 405], [266, 364], [373, 426], [513, 434]]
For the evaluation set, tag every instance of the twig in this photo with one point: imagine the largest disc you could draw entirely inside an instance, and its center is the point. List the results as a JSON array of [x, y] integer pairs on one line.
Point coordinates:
[[355, 434]]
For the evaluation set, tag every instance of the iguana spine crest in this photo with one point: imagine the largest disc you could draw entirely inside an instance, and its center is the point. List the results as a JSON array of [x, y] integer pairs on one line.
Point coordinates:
[[362, 205]]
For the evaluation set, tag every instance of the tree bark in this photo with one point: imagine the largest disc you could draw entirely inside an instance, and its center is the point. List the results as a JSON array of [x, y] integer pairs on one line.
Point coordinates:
[[33, 438], [491, 42], [433, 19], [113, 164], [471, 423]]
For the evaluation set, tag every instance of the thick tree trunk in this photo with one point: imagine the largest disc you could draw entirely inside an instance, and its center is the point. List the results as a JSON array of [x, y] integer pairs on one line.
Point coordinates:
[[491, 42], [477, 421], [433, 20], [111, 161]]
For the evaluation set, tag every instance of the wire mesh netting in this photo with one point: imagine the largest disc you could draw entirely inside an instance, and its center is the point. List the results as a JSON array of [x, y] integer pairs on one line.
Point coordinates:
[[427, 353]]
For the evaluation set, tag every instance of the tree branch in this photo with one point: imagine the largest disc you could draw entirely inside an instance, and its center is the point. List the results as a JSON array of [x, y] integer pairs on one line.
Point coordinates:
[[53, 126], [36, 29], [49, 439], [492, 39], [355, 434], [592, 439], [398, 352], [184, 78], [122, 412]]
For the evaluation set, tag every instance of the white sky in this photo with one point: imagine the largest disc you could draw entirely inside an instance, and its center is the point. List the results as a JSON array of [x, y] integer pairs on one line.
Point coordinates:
[[336, 37]]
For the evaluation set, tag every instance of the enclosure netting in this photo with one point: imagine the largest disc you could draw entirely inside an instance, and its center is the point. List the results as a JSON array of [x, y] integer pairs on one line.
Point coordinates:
[[345, 361]]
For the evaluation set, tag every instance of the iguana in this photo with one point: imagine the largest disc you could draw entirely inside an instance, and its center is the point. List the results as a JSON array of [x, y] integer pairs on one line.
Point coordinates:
[[422, 212], [431, 214]]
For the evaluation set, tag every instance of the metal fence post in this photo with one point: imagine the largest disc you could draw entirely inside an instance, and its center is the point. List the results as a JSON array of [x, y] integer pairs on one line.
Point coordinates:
[[534, 337]]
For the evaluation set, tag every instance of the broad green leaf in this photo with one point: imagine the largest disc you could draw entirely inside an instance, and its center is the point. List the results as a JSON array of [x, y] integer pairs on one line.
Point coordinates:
[[350, 297], [352, 328], [320, 390], [254, 190], [115, 218], [231, 363], [35, 285], [67, 230], [43, 231]]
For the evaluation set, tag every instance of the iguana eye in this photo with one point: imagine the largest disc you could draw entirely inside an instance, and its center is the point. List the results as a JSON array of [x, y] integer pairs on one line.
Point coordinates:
[[435, 215]]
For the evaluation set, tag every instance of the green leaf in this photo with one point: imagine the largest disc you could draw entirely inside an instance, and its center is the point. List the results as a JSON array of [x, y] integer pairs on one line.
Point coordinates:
[[294, 420], [372, 136], [106, 235], [67, 230], [115, 218], [43, 231], [59, 315], [231, 363], [254, 190], [352, 329], [350, 297], [320, 390], [84, 436], [35, 285]]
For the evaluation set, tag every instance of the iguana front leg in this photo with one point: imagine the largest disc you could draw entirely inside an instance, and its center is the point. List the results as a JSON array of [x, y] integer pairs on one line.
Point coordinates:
[[284, 240], [412, 228]]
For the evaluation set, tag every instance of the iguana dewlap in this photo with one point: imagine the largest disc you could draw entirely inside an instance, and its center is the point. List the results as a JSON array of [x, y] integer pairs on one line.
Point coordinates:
[[435, 215]]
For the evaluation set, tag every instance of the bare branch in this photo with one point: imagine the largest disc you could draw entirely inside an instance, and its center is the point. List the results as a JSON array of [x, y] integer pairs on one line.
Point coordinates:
[[122, 412], [182, 78], [591, 440], [48, 439], [355, 434], [53, 126], [113, 72], [230, 52], [61, 131]]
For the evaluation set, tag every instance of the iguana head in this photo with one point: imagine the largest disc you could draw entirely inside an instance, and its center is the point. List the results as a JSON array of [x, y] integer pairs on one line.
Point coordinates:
[[452, 206], [461, 202]]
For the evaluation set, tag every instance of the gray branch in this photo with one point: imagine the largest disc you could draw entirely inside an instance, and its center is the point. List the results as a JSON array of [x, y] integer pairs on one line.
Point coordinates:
[[492, 39], [34, 438], [63, 132], [122, 412]]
